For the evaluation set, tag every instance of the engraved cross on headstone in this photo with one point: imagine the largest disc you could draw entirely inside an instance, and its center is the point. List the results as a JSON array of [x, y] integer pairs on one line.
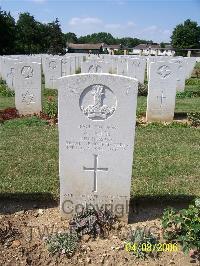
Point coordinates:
[[161, 97], [95, 169]]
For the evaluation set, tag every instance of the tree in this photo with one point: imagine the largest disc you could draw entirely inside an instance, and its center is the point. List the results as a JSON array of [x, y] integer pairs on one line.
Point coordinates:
[[162, 45], [186, 35], [70, 37], [101, 37], [56, 38], [27, 34], [7, 33]]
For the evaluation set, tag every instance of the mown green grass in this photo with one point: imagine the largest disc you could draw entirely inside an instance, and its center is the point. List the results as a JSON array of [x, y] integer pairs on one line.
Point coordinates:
[[28, 158], [182, 104], [166, 160]]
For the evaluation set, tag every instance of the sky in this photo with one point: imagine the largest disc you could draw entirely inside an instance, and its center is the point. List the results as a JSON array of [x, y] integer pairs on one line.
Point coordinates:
[[144, 19]]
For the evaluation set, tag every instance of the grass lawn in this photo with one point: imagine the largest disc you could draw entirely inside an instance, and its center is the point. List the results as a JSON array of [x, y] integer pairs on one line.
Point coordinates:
[[186, 104], [166, 160], [182, 105]]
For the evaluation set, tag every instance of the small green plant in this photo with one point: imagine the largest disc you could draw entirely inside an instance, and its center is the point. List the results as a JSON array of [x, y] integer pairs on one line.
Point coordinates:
[[63, 243], [25, 121], [2, 81], [50, 92], [194, 118], [51, 107], [188, 94], [141, 244], [183, 226], [92, 222], [5, 91], [192, 81]]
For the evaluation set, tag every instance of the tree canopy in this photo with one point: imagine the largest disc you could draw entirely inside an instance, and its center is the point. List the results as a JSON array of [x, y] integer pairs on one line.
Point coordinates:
[[28, 36], [186, 35]]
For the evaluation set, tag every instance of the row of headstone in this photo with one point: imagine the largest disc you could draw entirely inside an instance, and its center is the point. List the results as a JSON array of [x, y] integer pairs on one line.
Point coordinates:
[[161, 92], [92, 129]]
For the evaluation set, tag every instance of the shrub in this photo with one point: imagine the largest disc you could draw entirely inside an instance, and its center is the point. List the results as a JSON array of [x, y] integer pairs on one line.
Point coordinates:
[[5, 91], [62, 243], [194, 118], [8, 113], [51, 107], [50, 92], [192, 81], [188, 94], [141, 244], [183, 226], [92, 222], [2, 81]]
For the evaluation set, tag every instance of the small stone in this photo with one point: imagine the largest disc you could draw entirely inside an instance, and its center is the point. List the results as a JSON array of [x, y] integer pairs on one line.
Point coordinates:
[[40, 211], [15, 244], [20, 212], [86, 238], [171, 262], [112, 248], [88, 260]]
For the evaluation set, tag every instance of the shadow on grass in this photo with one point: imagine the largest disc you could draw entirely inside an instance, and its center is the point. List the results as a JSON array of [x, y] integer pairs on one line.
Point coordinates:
[[141, 208], [151, 207], [15, 202]]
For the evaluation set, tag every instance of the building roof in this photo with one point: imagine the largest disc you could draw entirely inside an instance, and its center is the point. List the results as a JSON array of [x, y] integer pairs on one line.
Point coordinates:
[[112, 46], [84, 46], [143, 46]]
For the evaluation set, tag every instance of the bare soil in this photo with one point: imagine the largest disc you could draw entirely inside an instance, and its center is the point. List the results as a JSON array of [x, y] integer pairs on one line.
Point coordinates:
[[29, 223]]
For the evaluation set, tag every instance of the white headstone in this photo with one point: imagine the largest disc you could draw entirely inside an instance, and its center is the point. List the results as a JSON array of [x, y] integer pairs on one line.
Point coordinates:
[[161, 91], [53, 70], [136, 69], [122, 66], [95, 66], [180, 85], [28, 88], [95, 141]]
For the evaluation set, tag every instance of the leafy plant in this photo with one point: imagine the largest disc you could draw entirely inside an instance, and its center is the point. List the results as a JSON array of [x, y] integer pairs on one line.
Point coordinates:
[[5, 91], [2, 82], [194, 118], [188, 94], [50, 92], [141, 244], [51, 107], [183, 226], [92, 222], [192, 81], [62, 243], [8, 113]]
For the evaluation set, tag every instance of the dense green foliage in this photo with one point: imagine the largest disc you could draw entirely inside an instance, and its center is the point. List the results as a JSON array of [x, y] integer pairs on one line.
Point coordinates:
[[28, 36], [183, 226], [186, 35]]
